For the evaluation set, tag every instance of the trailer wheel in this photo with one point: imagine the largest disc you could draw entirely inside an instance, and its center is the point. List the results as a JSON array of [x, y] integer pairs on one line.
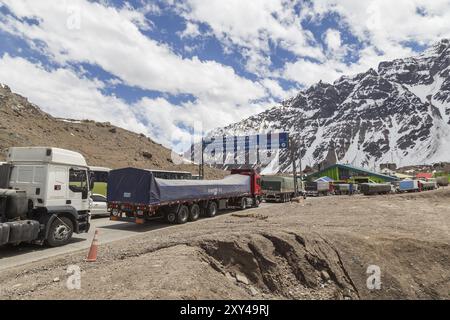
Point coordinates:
[[171, 217], [212, 209], [60, 232], [183, 215], [194, 213]]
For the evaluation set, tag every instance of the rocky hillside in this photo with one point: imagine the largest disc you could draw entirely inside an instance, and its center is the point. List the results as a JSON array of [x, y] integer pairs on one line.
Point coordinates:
[[400, 113], [24, 124]]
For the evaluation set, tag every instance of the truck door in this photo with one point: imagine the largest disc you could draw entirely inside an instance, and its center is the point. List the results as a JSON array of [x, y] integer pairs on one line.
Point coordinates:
[[78, 189]]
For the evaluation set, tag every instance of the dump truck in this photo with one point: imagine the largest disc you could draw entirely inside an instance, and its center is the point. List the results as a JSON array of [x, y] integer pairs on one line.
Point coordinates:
[[136, 195], [44, 196], [277, 188], [375, 188]]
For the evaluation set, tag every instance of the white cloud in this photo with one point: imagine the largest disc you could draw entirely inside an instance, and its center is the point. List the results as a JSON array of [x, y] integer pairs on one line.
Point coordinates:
[[386, 24], [253, 26], [63, 93], [191, 31], [382, 26], [110, 38], [307, 72]]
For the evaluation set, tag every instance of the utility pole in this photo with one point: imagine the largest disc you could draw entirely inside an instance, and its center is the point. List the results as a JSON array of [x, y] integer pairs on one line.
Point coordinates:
[[300, 157], [294, 165], [201, 165], [203, 160]]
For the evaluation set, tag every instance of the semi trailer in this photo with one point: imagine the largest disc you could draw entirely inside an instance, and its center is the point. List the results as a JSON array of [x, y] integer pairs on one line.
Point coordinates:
[[136, 195], [44, 196], [427, 185], [442, 181], [277, 188], [318, 188], [343, 188], [408, 186], [375, 188]]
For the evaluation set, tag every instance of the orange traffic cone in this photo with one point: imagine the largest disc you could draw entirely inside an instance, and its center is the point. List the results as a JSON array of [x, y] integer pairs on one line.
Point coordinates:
[[92, 256]]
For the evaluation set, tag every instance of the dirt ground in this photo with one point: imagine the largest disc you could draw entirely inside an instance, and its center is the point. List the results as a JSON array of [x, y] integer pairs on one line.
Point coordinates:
[[320, 248]]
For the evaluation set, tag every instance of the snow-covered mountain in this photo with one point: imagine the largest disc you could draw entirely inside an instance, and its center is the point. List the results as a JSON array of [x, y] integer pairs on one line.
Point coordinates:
[[400, 113]]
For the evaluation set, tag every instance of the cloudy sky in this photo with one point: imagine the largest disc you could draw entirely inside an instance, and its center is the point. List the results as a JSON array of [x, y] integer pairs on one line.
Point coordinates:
[[157, 66]]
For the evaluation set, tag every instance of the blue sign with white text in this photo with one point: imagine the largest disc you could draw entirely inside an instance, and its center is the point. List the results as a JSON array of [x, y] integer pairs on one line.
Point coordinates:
[[270, 141]]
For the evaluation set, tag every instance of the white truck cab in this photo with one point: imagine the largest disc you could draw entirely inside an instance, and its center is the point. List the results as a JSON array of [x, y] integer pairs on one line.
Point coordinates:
[[57, 186], [50, 176]]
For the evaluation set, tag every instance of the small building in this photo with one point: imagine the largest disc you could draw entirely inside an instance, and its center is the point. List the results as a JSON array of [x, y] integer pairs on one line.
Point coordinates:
[[349, 173]]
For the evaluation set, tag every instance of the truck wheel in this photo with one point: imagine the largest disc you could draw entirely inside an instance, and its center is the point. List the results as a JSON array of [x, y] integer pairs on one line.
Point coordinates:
[[212, 210], [60, 232], [243, 205], [183, 215], [257, 202], [194, 212], [171, 217]]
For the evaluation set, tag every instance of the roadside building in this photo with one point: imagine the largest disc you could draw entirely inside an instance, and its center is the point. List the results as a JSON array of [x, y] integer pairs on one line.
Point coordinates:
[[349, 173]]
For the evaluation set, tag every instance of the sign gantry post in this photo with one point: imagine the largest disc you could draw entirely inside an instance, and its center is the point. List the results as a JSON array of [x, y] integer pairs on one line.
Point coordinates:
[[293, 148]]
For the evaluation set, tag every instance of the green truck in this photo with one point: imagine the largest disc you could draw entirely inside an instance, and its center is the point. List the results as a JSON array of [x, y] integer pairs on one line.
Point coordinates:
[[278, 188]]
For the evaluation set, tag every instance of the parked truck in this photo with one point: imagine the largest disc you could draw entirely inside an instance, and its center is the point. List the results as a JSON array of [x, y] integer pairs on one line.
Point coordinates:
[[44, 196], [318, 188], [427, 185], [135, 195], [375, 188], [343, 188], [442, 181], [277, 188], [408, 186]]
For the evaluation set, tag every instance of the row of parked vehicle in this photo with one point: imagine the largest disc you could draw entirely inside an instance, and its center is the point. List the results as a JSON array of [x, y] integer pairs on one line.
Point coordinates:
[[48, 194], [282, 189]]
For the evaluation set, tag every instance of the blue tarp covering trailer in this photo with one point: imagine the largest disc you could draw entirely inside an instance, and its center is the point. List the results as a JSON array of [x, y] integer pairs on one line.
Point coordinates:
[[138, 186]]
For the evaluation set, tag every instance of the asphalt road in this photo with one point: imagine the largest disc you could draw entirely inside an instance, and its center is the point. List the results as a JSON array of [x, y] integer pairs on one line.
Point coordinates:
[[109, 231]]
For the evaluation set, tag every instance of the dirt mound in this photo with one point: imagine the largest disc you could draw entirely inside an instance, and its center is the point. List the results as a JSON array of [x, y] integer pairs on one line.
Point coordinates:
[[285, 265], [275, 265], [324, 248]]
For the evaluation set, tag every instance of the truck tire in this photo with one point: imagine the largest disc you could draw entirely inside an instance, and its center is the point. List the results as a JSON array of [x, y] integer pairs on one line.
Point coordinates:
[[243, 204], [211, 211], [194, 212], [60, 232], [171, 217], [256, 202], [183, 215]]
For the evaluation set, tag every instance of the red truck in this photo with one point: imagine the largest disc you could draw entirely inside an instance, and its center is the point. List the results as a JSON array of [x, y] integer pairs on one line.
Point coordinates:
[[135, 195]]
